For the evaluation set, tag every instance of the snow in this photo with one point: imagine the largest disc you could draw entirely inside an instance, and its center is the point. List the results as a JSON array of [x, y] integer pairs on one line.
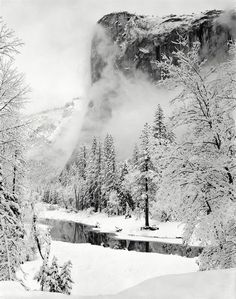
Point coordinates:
[[169, 232], [6, 288], [98, 271], [218, 284]]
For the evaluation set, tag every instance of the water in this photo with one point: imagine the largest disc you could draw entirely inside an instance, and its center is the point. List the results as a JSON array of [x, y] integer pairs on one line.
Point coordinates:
[[74, 232]]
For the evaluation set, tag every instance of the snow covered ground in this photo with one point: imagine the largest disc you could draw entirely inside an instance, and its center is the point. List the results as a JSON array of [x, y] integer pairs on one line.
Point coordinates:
[[109, 273], [219, 284], [168, 232], [99, 271]]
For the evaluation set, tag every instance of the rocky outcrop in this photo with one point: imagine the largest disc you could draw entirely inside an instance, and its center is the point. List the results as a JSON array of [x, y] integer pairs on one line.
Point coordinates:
[[142, 40]]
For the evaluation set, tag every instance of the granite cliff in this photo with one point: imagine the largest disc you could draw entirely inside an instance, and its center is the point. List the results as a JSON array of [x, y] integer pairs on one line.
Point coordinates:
[[141, 40], [125, 49]]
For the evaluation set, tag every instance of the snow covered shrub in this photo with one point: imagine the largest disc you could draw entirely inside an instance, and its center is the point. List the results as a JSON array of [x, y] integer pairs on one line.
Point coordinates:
[[163, 216], [65, 281], [42, 276], [54, 280], [90, 211]]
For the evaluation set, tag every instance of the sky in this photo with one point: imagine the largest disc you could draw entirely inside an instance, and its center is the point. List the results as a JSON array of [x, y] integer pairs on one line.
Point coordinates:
[[57, 35]]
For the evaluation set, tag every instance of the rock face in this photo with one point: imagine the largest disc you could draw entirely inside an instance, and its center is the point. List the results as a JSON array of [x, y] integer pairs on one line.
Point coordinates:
[[124, 47], [142, 40]]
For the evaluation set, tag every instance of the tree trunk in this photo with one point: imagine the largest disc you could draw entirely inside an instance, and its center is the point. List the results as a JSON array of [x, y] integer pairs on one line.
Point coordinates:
[[146, 204], [14, 175], [36, 236], [76, 198]]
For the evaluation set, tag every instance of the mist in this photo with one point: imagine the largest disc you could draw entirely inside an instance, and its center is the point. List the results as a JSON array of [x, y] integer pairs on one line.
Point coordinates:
[[119, 104], [116, 103]]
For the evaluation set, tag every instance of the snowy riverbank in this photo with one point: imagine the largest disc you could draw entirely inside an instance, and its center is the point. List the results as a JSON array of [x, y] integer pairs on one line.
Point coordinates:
[[130, 227], [108, 273]]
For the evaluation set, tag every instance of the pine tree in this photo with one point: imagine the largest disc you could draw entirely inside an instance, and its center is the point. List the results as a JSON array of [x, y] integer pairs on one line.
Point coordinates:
[[93, 176], [159, 128], [135, 156], [65, 281], [42, 277], [146, 169], [82, 162], [53, 277], [161, 132], [98, 177], [161, 142], [77, 178], [125, 198], [140, 180], [109, 174]]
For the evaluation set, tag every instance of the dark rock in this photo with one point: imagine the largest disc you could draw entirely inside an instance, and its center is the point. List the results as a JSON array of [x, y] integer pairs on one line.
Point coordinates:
[[143, 40]]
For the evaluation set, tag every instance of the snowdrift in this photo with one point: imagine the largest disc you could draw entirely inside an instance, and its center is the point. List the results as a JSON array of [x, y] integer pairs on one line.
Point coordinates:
[[220, 284]]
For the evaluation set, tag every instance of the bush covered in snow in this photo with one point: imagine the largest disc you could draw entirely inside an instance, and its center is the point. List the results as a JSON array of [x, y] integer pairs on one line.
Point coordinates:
[[55, 279]]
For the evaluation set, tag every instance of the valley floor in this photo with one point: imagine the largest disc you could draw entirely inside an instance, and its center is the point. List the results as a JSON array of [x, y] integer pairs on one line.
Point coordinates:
[[130, 227], [101, 271], [104, 271]]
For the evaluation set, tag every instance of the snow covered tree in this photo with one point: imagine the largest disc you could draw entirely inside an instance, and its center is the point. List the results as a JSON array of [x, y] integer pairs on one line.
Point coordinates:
[[81, 162], [161, 141], [147, 173], [135, 156], [109, 171], [125, 199], [11, 234], [161, 132], [93, 176], [65, 281], [53, 277], [12, 97], [141, 178], [13, 94], [200, 177], [9, 42], [159, 128], [42, 275]]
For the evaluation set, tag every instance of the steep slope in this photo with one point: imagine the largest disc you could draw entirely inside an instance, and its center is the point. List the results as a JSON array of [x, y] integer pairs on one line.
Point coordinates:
[[142, 40], [125, 50], [53, 136]]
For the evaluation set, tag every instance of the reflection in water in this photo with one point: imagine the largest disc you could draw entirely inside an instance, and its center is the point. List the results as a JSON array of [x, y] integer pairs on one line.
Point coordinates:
[[80, 233]]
